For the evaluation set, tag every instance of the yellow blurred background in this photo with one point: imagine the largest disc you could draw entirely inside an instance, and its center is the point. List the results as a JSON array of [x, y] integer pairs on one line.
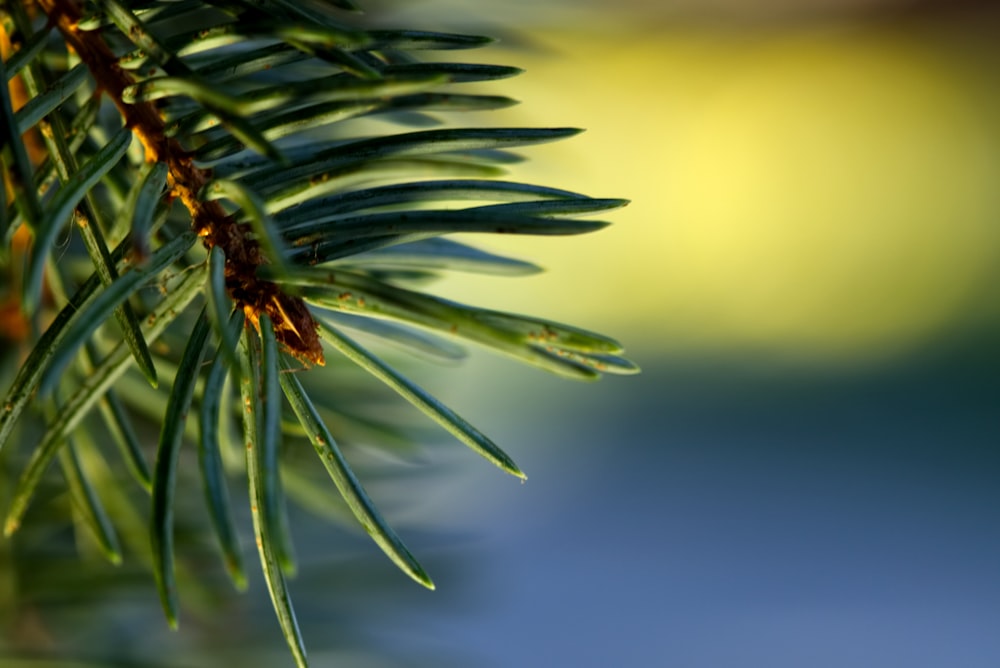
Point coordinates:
[[805, 473], [821, 189]]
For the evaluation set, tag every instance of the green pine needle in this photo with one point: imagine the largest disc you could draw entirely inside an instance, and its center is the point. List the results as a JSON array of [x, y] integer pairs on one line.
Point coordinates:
[[194, 190]]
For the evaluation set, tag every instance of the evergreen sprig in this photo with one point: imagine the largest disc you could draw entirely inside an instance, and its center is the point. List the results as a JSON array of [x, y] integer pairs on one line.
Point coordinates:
[[208, 158]]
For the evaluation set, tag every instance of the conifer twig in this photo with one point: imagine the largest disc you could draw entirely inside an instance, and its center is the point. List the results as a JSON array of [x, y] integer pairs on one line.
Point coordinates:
[[294, 325]]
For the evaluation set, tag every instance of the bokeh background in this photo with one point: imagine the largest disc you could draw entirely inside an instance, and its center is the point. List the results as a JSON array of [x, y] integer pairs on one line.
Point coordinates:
[[807, 472]]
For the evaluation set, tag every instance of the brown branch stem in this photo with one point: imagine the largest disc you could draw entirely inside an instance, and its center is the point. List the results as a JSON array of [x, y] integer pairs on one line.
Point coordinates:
[[294, 326]]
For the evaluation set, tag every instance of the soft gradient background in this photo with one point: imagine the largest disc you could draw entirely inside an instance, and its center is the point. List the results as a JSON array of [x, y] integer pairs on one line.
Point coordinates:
[[807, 472]]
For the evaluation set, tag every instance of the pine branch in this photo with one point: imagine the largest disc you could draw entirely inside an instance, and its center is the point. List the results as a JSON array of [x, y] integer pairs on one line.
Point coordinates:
[[294, 326], [244, 114]]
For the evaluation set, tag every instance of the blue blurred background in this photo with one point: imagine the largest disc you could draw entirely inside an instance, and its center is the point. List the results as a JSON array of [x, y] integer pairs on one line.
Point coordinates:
[[806, 473]]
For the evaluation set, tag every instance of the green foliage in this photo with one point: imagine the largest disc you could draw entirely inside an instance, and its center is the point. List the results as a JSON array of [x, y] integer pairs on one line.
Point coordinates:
[[145, 127]]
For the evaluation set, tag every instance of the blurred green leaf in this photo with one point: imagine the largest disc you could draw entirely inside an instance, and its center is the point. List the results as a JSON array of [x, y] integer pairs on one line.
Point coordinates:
[[552, 346], [347, 483], [278, 184], [259, 389], [140, 207], [95, 311], [421, 39], [124, 434], [87, 502], [22, 389], [39, 107], [211, 465], [454, 72], [406, 338], [493, 219], [427, 404], [439, 254], [161, 531], [221, 307], [29, 51], [60, 210], [90, 391]]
